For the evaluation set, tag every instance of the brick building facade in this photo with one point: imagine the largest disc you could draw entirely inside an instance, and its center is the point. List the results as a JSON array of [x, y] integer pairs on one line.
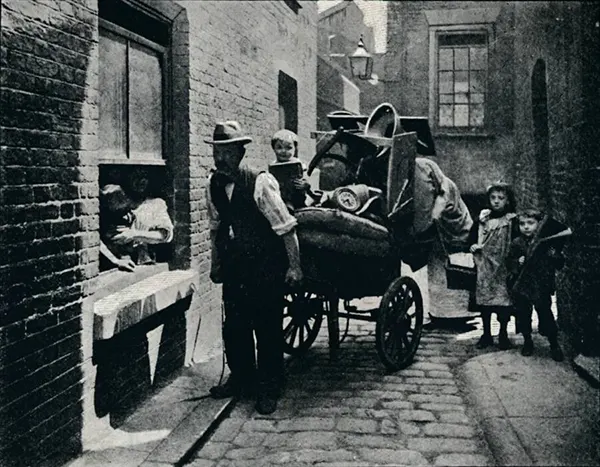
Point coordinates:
[[80, 347]]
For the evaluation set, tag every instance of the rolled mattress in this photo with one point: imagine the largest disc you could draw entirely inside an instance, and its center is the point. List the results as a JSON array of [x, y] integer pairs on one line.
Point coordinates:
[[335, 221], [343, 243]]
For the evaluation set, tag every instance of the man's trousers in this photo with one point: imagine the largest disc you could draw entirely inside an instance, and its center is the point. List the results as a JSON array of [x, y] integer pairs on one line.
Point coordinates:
[[254, 309]]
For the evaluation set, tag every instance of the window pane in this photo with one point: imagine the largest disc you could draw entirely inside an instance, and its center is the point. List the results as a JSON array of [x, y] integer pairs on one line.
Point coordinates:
[[446, 115], [478, 58], [461, 59], [445, 82], [476, 115], [478, 81], [145, 103], [461, 115], [461, 98], [477, 98], [446, 98], [446, 62], [112, 131], [461, 81]]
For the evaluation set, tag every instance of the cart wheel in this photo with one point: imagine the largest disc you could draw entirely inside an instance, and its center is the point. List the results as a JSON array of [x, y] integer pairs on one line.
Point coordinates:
[[302, 318], [399, 324]]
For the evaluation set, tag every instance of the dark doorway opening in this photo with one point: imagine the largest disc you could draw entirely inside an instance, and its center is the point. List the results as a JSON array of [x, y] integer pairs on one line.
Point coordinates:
[[541, 140]]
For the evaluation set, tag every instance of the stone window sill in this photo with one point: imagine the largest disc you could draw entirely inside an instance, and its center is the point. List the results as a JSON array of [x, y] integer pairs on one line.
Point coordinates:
[[121, 309]]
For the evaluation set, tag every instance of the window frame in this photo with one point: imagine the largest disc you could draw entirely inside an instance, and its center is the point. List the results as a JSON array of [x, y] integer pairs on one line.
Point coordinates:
[[434, 34], [163, 51]]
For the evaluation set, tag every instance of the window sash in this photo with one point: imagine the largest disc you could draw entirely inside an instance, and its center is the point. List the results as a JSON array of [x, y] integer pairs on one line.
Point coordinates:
[[461, 64], [139, 46]]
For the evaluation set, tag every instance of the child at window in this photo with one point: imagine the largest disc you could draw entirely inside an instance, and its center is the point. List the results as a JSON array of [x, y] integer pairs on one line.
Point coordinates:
[[115, 213], [544, 258], [291, 177], [495, 230]]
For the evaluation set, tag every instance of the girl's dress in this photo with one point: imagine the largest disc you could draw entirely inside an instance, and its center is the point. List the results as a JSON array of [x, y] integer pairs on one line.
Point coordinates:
[[495, 235]]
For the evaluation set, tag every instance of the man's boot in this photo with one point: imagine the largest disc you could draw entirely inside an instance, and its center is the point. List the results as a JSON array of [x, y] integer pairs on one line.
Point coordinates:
[[486, 340], [230, 388]]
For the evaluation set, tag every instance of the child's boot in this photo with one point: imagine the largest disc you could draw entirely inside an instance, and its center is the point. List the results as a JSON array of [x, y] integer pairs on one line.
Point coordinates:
[[527, 349], [504, 342], [486, 340], [555, 351]]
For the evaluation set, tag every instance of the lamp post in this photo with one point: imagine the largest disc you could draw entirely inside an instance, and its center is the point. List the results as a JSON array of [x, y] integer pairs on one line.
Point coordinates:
[[361, 62]]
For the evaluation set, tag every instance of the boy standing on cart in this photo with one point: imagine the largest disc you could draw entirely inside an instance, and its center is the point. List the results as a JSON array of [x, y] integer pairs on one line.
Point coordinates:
[[254, 253]]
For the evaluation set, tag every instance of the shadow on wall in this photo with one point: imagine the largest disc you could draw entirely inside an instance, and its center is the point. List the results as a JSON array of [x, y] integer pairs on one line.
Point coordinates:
[[42, 103], [131, 365]]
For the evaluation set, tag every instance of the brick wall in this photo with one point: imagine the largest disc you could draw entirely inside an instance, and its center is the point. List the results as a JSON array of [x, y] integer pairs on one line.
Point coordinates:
[[49, 220], [564, 36], [59, 389]]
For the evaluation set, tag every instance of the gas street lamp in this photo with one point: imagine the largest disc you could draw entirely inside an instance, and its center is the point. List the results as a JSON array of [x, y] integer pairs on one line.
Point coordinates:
[[361, 62]]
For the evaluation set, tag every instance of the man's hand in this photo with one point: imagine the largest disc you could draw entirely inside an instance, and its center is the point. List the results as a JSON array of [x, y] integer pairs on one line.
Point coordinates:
[[125, 264], [125, 235], [294, 277], [521, 260], [475, 248]]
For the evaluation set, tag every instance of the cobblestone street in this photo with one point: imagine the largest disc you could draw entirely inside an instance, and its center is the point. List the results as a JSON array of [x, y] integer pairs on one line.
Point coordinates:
[[351, 413]]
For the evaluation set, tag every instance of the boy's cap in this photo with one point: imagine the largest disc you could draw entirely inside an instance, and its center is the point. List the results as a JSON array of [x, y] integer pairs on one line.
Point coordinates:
[[285, 135], [229, 132]]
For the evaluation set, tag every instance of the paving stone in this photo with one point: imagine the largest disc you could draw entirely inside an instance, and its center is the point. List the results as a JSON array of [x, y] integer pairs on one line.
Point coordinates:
[[405, 373], [311, 456], [388, 427], [357, 425], [364, 402], [455, 417], [312, 440], [259, 425], [402, 387], [436, 399], [431, 381], [443, 407], [408, 428], [462, 459], [228, 430], [376, 414], [439, 374], [442, 445], [214, 450], [306, 424], [194, 463], [352, 440], [415, 415], [330, 411], [446, 389], [450, 430], [246, 453], [392, 456], [397, 405], [248, 439], [429, 366]]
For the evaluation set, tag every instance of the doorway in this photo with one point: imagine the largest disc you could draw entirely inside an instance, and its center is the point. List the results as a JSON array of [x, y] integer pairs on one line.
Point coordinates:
[[541, 139]]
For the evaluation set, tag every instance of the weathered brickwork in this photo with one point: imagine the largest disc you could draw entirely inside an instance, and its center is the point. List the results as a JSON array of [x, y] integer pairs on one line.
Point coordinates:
[[57, 387], [563, 37], [49, 220]]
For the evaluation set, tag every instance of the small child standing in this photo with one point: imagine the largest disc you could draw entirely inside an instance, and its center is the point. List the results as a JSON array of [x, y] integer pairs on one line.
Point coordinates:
[[494, 234], [291, 176], [544, 259]]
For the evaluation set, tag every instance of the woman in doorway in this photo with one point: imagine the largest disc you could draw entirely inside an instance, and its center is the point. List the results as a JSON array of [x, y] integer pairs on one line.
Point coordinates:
[[151, 222]]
